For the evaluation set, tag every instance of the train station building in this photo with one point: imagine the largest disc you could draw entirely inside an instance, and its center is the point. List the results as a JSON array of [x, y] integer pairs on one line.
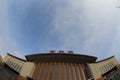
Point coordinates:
[[62, 66]]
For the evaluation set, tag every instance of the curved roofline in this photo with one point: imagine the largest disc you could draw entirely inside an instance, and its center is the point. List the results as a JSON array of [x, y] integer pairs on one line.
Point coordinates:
[[105, 59], [60, 57], [16, 57], [60, 54]]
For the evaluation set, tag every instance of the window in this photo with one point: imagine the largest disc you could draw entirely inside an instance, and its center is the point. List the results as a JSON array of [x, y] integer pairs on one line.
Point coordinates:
[[17, 67], [13, 65]]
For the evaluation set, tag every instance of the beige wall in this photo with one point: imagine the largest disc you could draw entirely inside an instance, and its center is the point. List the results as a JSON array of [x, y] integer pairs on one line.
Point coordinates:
[[27, 69], [13, 63], [24, 68], [101, 67]]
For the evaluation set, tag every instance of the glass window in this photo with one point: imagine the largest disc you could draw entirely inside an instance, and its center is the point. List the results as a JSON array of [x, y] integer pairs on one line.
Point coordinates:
[[14, 65], [20, 68], [113, 64], [110, 65], [17, 67], [9, 63]]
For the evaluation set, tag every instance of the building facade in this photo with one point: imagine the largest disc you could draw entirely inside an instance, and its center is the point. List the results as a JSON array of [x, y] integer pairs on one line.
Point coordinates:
[[62, 66], [105, 69], [21, 67], [1, 58]]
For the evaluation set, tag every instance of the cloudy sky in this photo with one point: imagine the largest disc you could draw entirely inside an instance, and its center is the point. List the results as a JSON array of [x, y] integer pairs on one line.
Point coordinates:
[[90, 27]]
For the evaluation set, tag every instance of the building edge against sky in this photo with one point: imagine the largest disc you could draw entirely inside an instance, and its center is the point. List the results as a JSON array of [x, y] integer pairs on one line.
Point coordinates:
[[104, 69], [62, 66]]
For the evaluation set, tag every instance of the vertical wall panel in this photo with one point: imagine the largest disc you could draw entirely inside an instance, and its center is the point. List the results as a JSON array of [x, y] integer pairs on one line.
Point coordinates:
[[81, 72], [58, 76], [49, 68], [85, 72], [72, 69], [63, 75], [44, 71], [40, 71], [53, 73], [67, 70], [77, 74], [56, 71], [36, 71], [59, 71]]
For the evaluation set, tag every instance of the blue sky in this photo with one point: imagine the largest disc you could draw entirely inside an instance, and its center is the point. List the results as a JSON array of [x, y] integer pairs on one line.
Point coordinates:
[[90, 27]]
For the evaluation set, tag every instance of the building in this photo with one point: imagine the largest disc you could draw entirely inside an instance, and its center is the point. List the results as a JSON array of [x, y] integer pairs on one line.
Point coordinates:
[[1, 58], [62, 66], [50, 66], [105, 69], [20, 67]]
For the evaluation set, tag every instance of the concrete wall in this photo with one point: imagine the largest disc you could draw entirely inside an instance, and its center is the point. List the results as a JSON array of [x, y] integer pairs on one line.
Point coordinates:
[[24, 68], [101, 67], [14, 63], [27, 69]]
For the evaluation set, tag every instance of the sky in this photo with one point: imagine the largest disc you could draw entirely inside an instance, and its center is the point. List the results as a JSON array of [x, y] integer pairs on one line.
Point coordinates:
[[90, 27]]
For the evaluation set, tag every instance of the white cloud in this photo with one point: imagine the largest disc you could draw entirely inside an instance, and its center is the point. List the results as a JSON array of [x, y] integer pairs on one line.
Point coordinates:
[[88, 25], [18, 54], [7, 43]]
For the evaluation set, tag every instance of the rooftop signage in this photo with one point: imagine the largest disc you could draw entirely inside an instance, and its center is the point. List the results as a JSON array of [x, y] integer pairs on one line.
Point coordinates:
[[61, 52]]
